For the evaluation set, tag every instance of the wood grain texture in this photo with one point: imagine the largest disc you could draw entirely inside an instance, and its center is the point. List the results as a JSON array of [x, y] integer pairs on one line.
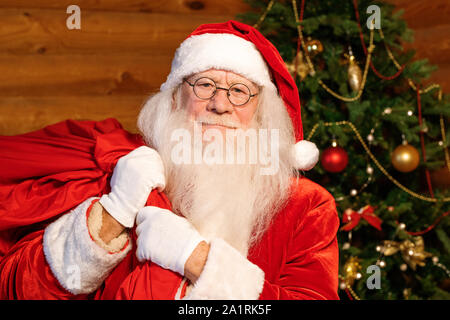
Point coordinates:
[[24, 114], [424, 14], [44, 31], [58, 75], [432, 43], [230, 7]]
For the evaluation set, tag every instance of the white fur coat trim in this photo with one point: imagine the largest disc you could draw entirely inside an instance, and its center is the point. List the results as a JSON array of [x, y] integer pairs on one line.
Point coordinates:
[[227, 275], [78, 263]]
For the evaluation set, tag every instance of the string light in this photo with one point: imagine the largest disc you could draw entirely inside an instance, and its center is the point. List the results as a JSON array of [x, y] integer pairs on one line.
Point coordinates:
[[387, 111], [436, 262]]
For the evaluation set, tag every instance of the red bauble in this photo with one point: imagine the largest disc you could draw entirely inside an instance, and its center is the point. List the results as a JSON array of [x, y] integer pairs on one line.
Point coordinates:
[[334, 159]]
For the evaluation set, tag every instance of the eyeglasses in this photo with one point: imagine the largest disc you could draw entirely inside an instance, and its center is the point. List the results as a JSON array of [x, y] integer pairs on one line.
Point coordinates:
[[205, 88]]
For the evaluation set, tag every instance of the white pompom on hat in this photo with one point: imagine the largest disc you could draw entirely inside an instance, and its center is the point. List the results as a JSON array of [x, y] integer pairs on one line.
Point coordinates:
[[240, 48]]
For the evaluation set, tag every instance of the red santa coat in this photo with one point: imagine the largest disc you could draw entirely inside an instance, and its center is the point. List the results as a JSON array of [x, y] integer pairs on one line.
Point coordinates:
[[72, 161]]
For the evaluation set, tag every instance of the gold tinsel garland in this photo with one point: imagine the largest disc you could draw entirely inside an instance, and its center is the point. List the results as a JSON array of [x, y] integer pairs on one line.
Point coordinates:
[[311, 66], [349, 288], [377, 163]]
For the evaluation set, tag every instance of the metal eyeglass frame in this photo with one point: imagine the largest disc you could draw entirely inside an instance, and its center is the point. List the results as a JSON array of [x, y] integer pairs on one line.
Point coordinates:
[[228, 91]]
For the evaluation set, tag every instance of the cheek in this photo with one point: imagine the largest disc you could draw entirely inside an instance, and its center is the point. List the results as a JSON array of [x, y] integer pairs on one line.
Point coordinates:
[[192, 105], [195, 108], [246, 115]]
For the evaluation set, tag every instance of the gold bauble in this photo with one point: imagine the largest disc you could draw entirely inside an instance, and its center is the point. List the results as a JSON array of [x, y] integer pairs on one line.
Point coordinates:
[[313, 46], [405, 158], [351, 270], [354, 74], [302, 68]]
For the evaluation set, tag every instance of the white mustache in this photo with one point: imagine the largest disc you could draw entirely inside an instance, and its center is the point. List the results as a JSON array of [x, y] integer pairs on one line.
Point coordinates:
[[209, 120]]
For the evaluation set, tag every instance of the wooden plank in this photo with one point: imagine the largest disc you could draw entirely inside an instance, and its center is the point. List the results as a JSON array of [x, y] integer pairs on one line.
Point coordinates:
[[44, 31], [33, 75], [24, 114], [432, 43], [161, 6], [421, 14]]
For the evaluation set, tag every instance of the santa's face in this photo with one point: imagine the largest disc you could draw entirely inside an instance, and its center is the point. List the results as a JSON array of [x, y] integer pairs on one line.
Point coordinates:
[[218, 112]]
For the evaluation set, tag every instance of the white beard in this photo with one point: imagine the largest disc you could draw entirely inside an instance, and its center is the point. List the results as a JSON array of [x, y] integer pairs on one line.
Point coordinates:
[[229, 201], [219, 202]]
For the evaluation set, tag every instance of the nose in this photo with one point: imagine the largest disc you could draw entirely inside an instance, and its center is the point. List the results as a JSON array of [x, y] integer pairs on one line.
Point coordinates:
[[219, 103]]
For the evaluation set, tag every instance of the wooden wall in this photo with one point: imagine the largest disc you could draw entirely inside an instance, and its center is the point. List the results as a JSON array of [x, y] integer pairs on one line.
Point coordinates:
[[123, 52], [430, 21]]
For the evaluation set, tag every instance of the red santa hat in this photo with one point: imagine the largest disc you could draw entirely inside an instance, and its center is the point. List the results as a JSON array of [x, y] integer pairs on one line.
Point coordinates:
[[240, 48]]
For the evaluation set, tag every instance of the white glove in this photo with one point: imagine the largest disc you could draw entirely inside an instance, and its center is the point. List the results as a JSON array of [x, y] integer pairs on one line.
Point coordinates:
[[165, 238], [134, 177]]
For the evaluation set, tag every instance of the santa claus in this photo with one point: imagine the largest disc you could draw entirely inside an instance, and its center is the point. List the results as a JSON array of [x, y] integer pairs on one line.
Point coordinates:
[[206, 203]]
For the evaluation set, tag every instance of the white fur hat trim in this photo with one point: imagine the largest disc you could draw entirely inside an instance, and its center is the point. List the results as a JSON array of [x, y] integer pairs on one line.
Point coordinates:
[[219, 51]]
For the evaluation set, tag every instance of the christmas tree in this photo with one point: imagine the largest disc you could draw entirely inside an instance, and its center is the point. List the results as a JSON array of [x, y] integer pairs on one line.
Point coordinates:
[[381, 134]]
